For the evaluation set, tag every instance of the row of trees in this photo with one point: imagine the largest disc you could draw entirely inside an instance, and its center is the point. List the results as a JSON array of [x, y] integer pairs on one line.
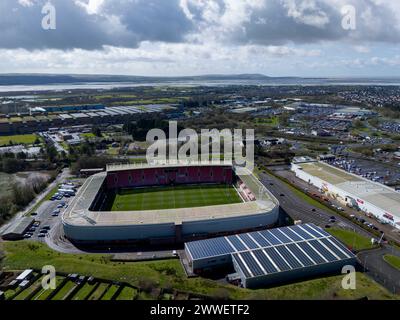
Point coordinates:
[[12, 163], [20, 196]]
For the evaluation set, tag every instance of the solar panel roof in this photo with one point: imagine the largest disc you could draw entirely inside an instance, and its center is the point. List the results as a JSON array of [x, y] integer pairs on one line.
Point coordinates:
[[276, 250]]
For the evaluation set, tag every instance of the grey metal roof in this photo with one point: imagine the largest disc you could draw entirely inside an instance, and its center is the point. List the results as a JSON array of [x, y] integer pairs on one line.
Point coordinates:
[[19, 227], [272, 251]]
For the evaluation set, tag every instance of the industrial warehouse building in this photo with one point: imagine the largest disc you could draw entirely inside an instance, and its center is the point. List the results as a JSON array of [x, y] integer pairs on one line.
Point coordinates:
[[273, 256], [85, 220], [65, 116], [352, 190]]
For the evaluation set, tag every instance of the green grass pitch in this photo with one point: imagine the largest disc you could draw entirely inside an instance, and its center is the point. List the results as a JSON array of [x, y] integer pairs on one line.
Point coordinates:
[[158, 198]]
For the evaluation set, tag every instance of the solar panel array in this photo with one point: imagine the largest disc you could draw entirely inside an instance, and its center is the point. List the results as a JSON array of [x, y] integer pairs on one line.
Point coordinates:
[[276, 250]]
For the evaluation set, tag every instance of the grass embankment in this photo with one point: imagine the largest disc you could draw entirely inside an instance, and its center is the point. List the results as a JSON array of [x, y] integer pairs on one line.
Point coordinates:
[[394, 261], [352, 239], [25, 254]]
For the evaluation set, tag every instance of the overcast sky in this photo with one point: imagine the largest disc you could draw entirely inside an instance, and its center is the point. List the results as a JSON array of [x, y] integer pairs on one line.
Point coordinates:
[[191, 37]]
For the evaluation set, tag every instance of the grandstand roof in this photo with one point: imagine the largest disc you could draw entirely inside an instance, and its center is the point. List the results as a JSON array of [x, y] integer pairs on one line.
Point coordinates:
[[163, 164]]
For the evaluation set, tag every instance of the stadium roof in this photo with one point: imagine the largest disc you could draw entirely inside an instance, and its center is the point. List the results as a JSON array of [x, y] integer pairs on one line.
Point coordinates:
[[273, 251], [163, 164], [376, 194]]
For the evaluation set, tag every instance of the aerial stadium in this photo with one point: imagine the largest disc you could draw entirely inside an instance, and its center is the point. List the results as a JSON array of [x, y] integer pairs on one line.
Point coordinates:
[[168, 203]]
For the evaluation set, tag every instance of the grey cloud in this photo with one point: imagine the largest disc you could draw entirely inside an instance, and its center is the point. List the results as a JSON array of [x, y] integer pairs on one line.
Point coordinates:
[[123, 24], [126, 23], [282, 27]]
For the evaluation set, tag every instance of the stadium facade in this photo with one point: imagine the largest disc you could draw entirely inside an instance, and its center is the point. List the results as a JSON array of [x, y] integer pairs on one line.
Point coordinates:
[[370, 197], [85, 221], [272, 256]]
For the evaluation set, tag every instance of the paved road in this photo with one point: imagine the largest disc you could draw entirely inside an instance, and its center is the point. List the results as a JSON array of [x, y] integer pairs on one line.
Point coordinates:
[[376, 267]]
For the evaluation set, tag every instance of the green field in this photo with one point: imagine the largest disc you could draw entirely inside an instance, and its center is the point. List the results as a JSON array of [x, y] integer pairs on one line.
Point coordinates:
[[83, 292], [394, 261], [110, 292], [26, 254], [64, 291], [98, 292], [352, 239], [174, 197], [43, 294], [127, 293], [18, 139]]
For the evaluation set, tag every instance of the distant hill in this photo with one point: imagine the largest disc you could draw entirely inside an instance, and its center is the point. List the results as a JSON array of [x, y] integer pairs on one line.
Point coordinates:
[[66, 79], [46, 79]]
